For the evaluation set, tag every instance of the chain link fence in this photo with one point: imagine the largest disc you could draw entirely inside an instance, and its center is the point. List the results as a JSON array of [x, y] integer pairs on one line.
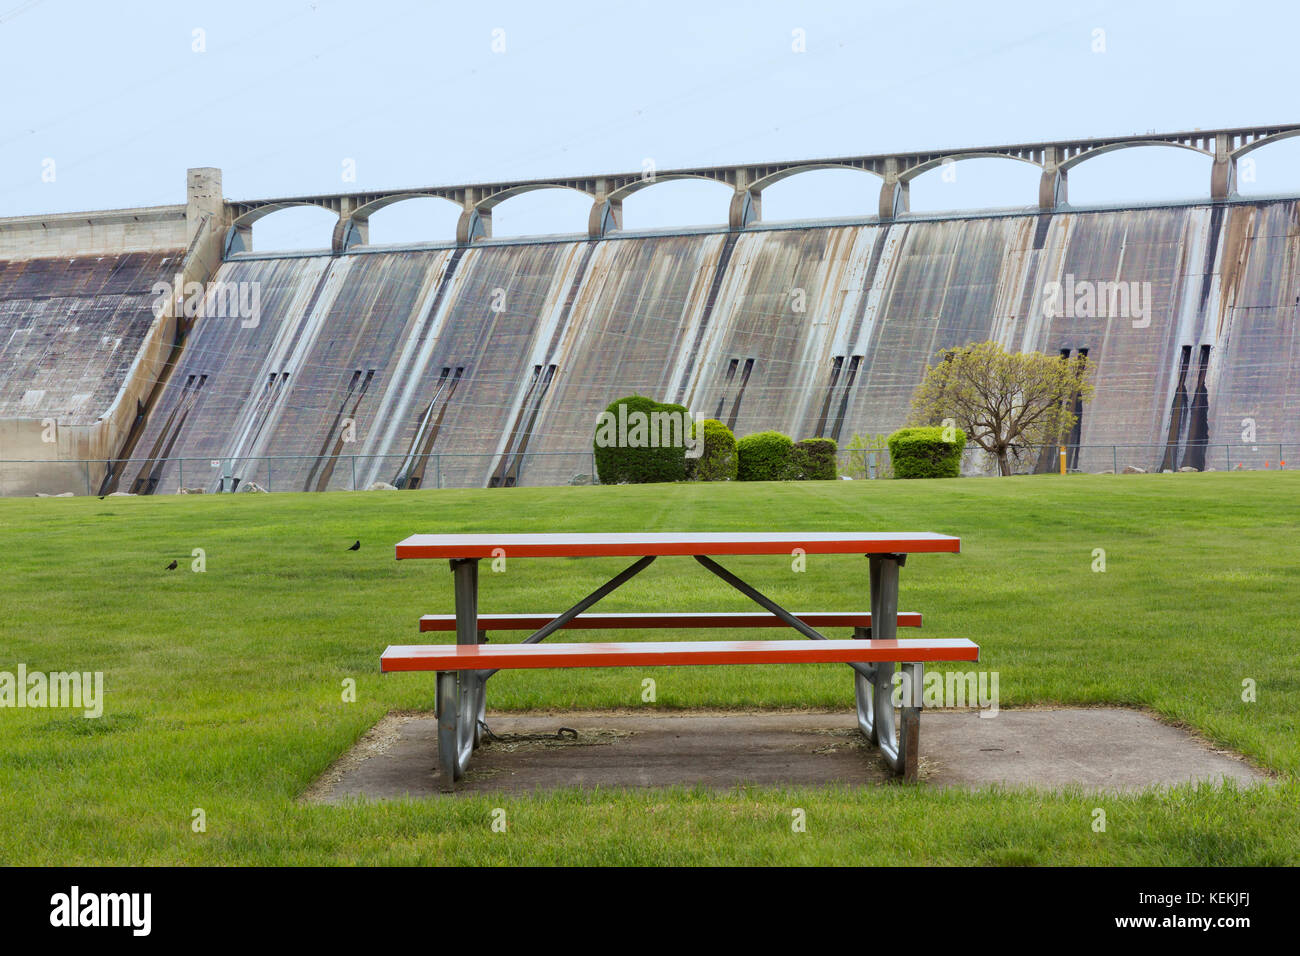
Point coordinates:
[[279, 473], [282, 473], [874, 462]]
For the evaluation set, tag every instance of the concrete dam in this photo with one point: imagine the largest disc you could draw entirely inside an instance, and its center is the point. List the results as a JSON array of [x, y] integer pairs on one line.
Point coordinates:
[[486, 362]]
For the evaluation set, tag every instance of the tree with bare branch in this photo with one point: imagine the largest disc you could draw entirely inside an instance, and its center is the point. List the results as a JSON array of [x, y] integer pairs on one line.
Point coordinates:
[[1006, 402]]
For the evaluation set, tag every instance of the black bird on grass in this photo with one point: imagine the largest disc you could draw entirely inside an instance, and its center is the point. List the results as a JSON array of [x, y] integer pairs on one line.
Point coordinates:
[[172, 566], [355, 547]]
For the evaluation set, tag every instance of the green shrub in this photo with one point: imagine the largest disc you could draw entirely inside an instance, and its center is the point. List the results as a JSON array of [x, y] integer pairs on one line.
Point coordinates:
[[640, 440], [923, 453], [813, 459], [718, 460], [763, 456]]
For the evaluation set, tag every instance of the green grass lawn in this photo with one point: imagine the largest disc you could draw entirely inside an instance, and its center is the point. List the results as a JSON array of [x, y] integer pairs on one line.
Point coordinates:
[[224, 688]]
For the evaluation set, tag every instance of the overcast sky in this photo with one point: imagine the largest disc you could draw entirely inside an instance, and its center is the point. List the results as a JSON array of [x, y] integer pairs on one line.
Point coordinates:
[[114, 101]]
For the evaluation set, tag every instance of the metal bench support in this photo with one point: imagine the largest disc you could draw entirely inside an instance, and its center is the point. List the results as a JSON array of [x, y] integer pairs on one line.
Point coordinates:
[[460, 695], [874, 693]]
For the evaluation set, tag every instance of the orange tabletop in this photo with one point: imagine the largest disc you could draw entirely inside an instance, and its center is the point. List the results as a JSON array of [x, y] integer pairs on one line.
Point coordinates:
[[663, 543]]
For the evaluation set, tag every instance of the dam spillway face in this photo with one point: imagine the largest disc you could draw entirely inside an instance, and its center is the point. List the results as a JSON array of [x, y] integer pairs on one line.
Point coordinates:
[[76, 334], [487, 364], [70, 330]]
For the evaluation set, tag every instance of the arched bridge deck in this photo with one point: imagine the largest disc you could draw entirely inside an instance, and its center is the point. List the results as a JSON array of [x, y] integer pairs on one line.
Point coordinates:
[[747, 181]]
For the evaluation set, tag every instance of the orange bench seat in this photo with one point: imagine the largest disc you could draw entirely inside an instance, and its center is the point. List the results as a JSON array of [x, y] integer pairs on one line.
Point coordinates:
[[468, 657]]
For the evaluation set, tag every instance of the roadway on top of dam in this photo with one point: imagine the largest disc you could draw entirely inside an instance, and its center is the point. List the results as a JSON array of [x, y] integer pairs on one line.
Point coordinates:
[[895, 170]]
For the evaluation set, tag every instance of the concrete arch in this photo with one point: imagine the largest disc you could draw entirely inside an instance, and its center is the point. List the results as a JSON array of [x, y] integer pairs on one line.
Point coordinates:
[[608, 214], [1054, 187], [476, 219], [618, 195], [260, 212], [1112, 147], [773, 178], [1230, 167], [821, 191], [970, 180], [489, 203], [895, 191], [564, 205], [1262, 141], [366, 210], [353, 229], [239, 237], [416, 217], [907, 175]]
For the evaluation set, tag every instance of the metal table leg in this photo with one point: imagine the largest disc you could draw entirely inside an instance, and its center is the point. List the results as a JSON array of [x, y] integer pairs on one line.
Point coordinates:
[[874, 694], [900, 751], [909, 738], [864, 691], [457, 704], [884, 626], [460, 694], [480, 686]]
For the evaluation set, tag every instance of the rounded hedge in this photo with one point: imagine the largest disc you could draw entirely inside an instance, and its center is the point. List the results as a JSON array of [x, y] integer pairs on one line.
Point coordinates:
[[635, 442], [718, 460], [813, 459], [924, 452], [763, 456]]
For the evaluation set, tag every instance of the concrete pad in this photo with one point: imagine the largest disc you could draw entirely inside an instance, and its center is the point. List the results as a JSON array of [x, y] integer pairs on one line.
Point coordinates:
[[1093, 748]]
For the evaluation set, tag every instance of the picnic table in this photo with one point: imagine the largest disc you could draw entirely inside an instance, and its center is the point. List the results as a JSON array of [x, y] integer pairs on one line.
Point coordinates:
[[874, 652]]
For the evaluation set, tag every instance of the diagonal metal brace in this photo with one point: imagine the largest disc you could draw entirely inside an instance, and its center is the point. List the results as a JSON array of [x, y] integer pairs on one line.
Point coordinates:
[[546, 630], [764, 601], [542, 633]]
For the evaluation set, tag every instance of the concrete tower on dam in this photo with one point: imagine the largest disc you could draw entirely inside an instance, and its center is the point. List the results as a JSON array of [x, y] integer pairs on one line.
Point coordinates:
[[147, 350]]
